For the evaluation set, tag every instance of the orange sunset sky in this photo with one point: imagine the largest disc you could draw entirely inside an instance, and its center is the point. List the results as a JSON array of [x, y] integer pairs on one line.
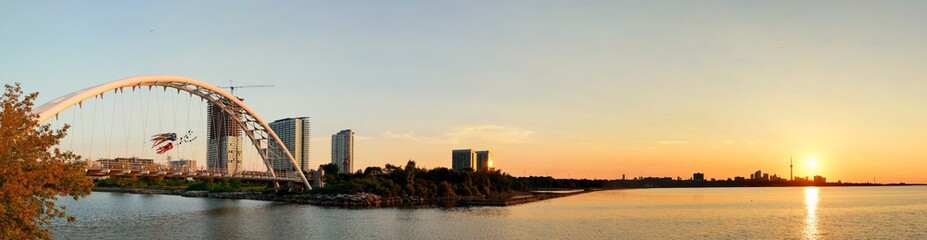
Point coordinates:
[[593, 90]]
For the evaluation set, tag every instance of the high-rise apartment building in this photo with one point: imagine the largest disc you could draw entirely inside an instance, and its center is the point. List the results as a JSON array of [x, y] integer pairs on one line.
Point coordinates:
[[483, 160], [343, 150], [294, 133], [462, 159], [467, 158], [223, 145]]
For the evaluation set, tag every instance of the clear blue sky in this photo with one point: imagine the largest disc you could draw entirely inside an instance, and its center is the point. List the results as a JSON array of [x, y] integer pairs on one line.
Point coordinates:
[[580, 89]]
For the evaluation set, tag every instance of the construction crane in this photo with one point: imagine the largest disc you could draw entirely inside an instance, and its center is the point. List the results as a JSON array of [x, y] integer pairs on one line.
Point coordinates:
[[232, 87]]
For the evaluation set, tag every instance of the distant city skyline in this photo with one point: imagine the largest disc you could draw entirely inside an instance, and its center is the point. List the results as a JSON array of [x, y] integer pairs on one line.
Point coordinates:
[[642, 88]]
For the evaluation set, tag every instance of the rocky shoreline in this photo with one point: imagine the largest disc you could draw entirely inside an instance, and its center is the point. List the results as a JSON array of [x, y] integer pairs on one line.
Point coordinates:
[[340, 200]]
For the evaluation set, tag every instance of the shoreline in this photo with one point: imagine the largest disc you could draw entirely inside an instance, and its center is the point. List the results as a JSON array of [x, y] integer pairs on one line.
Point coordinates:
[[774, 186], [630, 184], [357, 200]]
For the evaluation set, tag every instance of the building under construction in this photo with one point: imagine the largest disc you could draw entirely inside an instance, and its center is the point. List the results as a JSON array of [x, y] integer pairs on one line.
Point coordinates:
[[224, 143]]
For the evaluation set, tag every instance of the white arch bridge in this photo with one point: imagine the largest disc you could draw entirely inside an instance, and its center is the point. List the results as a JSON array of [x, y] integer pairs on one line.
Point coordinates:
[[251, 124]]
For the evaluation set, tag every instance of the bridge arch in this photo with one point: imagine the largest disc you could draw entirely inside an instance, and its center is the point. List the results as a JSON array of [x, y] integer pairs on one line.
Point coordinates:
[[252, 125]]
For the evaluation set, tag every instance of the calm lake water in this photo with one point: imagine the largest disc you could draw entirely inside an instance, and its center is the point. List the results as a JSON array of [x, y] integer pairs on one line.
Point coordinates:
[[684, 213]]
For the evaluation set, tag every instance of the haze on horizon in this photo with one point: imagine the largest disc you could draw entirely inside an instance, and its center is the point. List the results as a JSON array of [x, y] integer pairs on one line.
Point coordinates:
[[591, 90]]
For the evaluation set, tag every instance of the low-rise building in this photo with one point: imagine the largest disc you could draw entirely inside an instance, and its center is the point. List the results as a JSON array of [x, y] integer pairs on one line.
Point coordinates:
[[819, 179], [316, 176], [183, 165], [132, 163]]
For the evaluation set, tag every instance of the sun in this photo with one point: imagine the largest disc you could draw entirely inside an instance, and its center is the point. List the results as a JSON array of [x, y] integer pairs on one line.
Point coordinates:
[[811, 163]]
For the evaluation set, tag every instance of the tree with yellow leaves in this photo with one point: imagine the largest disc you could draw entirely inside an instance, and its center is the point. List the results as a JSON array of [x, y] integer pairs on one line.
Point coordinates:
[[34, 172]]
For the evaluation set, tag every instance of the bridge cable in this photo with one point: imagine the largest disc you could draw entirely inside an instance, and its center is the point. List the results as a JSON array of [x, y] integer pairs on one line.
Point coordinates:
[[112, 122], [144, 111], [103, 124], [127, 119], [103, 118], [223, 127], [160, 113], [174, 130], [83, 130], [73, 121], [199, 119], [161, 106], [93, 125], [189, 129]]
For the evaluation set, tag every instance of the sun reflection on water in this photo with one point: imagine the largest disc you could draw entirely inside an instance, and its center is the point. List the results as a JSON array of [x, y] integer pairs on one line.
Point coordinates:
[[811, 221]]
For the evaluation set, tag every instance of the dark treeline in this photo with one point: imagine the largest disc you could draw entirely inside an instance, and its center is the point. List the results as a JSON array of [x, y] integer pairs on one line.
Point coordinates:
[[394, 181], [161, 183], [537, 182], [397, 181]]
